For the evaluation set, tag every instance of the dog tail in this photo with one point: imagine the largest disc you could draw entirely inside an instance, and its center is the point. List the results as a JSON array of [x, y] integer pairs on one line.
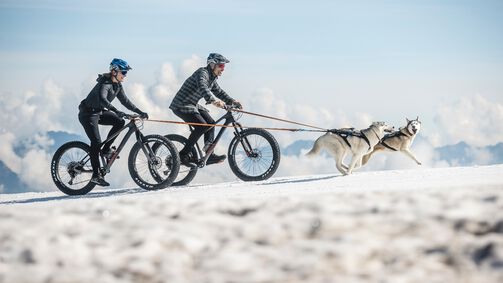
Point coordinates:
[[316, 148]]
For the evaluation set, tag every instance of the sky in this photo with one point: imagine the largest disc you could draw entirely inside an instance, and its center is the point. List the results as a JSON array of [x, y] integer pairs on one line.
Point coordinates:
[[326, 63]]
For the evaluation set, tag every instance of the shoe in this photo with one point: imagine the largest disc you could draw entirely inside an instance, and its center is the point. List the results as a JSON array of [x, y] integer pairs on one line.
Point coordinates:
[[187, 160], [100, 181], [213, 159]]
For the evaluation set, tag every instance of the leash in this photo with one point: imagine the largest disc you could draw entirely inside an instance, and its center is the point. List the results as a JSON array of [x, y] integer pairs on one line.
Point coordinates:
[[231, 126], [278, 119]]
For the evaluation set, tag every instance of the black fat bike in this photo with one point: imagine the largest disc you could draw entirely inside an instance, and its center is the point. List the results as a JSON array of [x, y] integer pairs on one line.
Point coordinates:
[[71, 168], [253, 153]]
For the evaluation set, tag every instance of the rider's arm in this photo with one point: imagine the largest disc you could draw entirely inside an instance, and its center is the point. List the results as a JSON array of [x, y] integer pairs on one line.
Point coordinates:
[[126, 102], [105, 88], [220, 93], [204, 87]]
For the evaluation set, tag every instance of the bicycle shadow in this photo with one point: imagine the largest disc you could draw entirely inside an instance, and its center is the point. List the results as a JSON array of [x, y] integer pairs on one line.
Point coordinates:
[[91, 195], [302, 180]]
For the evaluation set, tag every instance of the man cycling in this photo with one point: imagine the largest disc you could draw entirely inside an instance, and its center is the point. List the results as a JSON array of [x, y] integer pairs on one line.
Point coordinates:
[[96, 109], [202, 84]]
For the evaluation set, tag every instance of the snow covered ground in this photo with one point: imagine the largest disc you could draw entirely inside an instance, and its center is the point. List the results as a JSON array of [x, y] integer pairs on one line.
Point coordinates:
[[427, 225]]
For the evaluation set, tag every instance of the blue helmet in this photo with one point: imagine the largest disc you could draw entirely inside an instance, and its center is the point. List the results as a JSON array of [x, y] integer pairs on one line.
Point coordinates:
[[119, 65], [216, 58]]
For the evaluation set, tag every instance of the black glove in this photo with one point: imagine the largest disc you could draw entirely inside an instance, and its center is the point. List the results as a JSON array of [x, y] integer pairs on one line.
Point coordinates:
[[143, 115], [120, 114], [237, 104]]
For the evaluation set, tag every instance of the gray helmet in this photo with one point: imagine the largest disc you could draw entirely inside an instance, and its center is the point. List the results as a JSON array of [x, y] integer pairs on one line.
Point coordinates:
[[215, 58]]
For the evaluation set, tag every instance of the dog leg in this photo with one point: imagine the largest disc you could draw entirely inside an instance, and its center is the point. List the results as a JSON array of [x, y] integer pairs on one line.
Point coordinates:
[[354, 159], [409, 154], [342, 162], [339, 157], [366, 157], [358, 163]]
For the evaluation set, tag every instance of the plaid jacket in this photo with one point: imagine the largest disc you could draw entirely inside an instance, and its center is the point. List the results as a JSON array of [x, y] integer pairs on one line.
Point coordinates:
[[202, 84]]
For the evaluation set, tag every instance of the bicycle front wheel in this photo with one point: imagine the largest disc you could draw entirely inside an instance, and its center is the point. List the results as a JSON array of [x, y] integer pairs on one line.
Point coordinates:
[[71, 168], [254, 155], [154, 169]]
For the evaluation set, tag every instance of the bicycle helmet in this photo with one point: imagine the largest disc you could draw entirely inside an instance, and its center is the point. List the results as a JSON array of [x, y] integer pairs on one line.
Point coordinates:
[[215, 58], [119, 65]]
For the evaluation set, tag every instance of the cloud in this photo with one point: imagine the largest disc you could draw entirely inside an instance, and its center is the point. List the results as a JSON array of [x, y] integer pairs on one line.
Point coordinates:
[[475, 120]]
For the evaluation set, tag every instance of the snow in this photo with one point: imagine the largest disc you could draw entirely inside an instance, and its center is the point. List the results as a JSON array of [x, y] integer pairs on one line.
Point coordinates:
[[426, 225]]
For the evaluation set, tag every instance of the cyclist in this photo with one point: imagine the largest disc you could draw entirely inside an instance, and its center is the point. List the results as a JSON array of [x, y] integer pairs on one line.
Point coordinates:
[[96, 109], [202, 84]]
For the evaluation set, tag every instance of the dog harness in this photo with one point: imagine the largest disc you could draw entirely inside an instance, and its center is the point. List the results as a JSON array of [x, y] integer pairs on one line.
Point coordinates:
[[344, 133], [392, 135]]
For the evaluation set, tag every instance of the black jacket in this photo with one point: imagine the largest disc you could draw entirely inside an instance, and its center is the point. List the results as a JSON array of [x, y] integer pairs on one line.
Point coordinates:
[[103, 93]]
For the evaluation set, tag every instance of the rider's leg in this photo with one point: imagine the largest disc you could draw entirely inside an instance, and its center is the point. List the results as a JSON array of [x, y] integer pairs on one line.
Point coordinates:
[[196, 133], [90, 123], [111, 119], [209, 135]]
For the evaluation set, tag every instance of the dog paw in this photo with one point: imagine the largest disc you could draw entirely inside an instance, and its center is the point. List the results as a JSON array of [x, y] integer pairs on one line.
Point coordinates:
[[419, 163]]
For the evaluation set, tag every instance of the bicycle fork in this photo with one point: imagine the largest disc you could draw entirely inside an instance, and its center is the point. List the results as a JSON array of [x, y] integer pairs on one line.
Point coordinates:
[[244, 141]]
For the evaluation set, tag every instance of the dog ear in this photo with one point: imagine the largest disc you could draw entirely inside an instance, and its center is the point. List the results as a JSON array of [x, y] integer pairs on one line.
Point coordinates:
[[407, 119], [417, 118]]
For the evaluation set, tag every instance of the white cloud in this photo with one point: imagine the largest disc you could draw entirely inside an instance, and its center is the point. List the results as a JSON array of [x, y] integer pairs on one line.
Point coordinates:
[[35, 170], [7, 154], [190, 65], [475, 120]]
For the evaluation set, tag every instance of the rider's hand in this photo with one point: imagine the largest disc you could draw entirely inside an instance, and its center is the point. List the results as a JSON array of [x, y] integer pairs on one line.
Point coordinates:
[[120, 114], [143, 115], [237, 104], [219, 103]]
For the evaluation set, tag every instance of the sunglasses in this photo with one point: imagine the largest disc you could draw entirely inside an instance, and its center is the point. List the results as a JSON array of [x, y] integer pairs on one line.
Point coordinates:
[[221, 66], [124, 73]]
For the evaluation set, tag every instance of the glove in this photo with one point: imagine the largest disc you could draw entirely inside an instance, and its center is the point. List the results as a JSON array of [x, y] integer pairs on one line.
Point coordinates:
[[237, 104], [120, 114], [143, 115]]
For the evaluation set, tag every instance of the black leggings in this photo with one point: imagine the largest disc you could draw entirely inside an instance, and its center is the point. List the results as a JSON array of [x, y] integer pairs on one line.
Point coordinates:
[[201, 117], [90, 123]]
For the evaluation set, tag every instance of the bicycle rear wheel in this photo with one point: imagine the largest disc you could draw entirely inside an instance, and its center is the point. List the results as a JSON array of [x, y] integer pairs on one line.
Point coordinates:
[[154, 169], [254, 155], [186, 174], [71, 168]]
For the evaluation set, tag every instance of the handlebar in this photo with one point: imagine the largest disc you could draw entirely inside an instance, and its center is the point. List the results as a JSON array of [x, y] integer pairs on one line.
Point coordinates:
[[132, 116], [230, 107]]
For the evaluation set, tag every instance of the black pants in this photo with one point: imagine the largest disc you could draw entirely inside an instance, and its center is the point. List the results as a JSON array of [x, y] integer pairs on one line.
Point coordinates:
[[201, 117], [90, 121]]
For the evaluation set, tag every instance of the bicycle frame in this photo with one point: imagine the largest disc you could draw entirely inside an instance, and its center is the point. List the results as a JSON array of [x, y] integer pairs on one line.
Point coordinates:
[[229, 119], [132, 128]]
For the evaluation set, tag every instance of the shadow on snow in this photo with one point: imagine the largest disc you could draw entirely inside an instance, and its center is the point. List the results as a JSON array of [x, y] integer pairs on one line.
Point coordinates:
[[100, 194]]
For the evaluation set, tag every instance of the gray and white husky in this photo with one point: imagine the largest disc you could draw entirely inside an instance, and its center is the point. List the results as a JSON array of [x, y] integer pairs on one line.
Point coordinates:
[[341, 142], [400, 140]]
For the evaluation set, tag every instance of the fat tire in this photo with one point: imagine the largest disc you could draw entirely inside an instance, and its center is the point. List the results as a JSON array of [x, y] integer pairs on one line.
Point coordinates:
[[192, 173], [272, 143], [136, 149], [55, 165]]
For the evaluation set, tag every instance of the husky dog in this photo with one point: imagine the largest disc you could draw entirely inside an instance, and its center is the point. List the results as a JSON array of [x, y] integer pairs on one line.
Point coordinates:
[[339, 142], [400, 140]]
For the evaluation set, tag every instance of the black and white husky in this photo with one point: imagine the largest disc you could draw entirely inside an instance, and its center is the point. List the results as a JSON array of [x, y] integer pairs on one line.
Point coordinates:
[[400, 140], [340, 142]]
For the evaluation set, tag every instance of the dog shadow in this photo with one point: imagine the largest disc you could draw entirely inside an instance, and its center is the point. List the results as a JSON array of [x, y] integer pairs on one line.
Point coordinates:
[[91, 195]]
